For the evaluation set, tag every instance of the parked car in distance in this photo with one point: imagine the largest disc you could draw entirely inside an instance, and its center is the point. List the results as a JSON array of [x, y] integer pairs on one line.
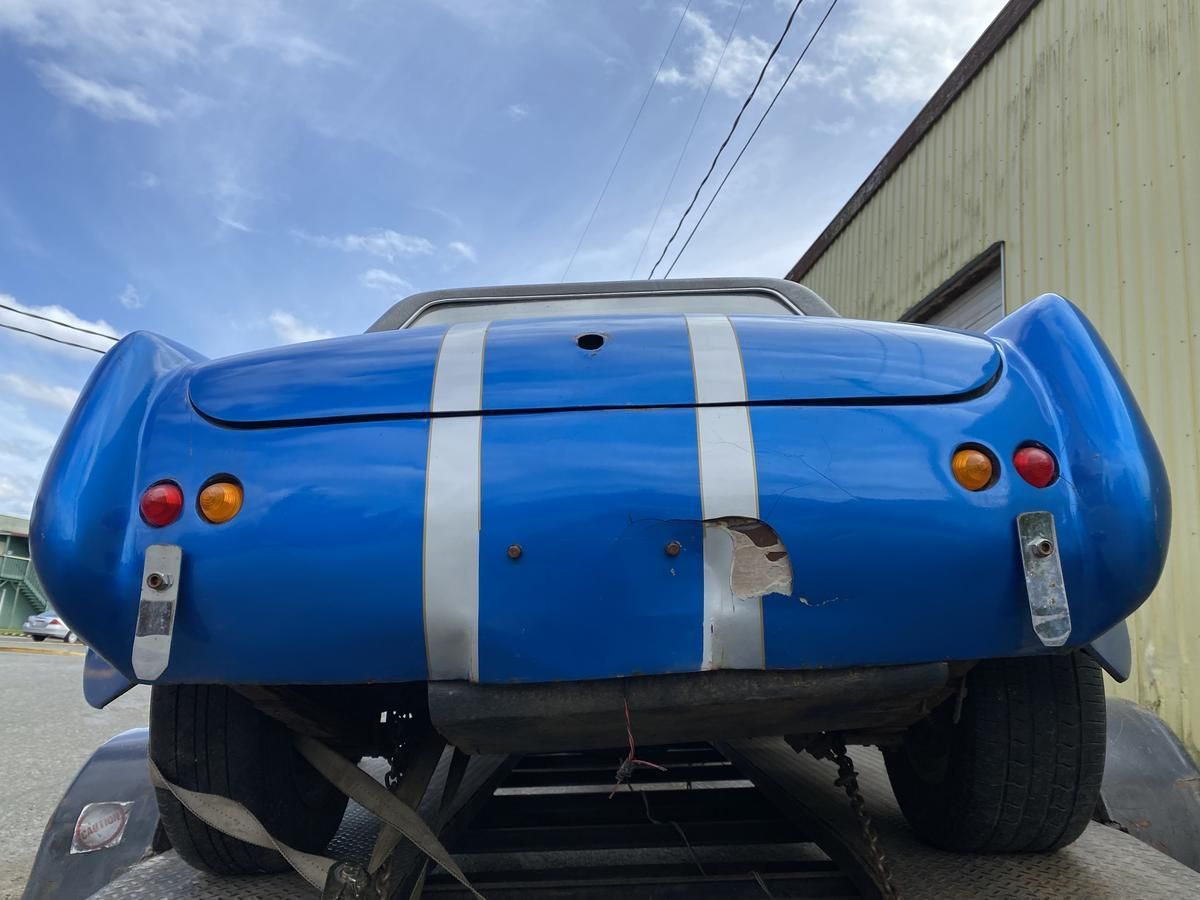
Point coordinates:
[[48, 624]]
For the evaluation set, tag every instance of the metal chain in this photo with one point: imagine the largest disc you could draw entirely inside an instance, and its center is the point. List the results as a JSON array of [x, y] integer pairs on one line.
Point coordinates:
[[847, 780]]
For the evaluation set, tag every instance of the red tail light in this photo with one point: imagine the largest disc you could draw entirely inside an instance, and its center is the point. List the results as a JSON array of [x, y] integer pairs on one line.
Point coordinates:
[[162, 503], [1036, 465]]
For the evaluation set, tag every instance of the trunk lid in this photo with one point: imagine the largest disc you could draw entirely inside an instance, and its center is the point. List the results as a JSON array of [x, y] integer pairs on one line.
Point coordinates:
[[595, 363]]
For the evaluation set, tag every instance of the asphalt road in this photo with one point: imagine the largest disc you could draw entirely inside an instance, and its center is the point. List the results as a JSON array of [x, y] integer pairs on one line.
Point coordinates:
[[47, 731]]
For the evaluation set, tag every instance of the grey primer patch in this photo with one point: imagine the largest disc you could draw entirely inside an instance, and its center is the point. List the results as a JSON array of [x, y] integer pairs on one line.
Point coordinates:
[[743, 560], [760, 563]]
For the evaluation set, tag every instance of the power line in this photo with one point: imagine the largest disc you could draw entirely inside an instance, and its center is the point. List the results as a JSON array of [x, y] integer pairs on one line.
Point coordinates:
[[625, 143], [47, 337], [732, 128], [688, 142], [762, 119], [61, 324]]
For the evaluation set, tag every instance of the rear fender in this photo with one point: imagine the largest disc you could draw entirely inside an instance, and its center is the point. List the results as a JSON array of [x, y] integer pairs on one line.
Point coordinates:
[[1109, 456], [87, 495]]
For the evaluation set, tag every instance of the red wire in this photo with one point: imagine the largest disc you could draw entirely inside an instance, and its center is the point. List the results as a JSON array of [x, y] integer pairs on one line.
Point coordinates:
[[625, 770]]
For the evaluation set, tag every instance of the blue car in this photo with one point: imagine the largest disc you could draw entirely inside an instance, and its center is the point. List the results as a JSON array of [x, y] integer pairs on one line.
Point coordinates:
[[525, 518]]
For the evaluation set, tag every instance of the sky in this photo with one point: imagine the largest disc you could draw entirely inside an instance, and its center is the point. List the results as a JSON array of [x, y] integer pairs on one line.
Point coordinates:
[[238, 175]]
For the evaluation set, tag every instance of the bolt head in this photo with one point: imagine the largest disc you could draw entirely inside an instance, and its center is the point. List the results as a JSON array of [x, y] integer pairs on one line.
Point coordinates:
[[1042, 547], [673, 548], [514, 551]]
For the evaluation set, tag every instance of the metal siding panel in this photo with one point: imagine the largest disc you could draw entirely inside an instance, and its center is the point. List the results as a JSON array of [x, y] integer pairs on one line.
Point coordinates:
[[1083, 162]]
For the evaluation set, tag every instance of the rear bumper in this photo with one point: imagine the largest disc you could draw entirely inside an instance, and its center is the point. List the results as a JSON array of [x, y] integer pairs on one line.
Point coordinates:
[[581, 715], [52, 631]]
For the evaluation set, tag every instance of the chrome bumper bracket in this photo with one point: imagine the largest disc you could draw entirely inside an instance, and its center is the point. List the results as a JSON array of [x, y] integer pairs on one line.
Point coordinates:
[[156, 610], [1044, 578]]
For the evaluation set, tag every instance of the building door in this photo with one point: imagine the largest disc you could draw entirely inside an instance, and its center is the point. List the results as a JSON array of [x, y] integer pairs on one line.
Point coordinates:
[[973, 300]]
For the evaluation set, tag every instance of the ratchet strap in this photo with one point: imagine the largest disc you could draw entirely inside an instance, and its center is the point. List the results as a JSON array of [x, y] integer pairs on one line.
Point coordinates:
[[232, 818]]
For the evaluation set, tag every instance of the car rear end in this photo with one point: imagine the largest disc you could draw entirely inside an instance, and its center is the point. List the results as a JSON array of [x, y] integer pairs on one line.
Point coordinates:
[[45, 624], [529, 532], [511, 503]]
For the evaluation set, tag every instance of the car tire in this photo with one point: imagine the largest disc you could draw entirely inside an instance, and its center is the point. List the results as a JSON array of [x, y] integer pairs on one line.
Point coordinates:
[[38, 637], [70, 638], [1020, 770], [211, 739]]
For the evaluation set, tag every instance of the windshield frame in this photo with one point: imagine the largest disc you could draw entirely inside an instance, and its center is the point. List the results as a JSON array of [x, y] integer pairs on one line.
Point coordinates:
[[794, 298]]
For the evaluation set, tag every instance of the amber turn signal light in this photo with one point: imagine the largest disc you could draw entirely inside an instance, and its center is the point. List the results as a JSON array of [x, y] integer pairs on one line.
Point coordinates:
[[973, 468], [220, 501]]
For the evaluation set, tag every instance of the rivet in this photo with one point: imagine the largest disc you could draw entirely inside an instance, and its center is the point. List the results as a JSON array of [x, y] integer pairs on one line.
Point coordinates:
[[157, 581], [514, 551], [1042, 547], [673, 548]]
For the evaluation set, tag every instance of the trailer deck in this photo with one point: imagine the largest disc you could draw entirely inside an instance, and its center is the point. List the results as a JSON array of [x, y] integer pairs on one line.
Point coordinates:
[[742, 819]]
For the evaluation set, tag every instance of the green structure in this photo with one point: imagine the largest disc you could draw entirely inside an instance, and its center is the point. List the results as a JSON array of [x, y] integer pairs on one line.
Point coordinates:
[[21, 593]]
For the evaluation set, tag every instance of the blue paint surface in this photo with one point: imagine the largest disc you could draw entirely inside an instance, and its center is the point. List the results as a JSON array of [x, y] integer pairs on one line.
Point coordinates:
[[593, 499], [826, 358], [533, 364], [387, 372], [537, 364], [893, 562]]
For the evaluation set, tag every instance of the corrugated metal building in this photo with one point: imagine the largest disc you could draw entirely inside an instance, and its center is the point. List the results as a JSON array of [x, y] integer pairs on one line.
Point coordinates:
[[21, 593], [1063, 154]]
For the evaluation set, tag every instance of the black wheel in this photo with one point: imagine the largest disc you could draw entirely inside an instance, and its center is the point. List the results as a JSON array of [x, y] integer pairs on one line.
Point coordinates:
[[38, 637], [211, 739], [1021, 769]]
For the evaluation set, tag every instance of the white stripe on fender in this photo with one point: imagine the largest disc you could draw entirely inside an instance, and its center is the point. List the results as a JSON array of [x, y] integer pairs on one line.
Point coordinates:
[[733, 626], [451, 553]]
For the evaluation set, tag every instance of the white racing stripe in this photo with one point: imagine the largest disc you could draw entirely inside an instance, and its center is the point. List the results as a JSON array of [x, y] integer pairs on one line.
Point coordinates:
[[451, 552], [733, 626]]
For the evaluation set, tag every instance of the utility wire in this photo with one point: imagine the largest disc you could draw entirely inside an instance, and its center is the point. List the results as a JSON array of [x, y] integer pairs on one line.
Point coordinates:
[[625, 143], [762, 119], [687, 143], [61, 324], [47, 337], [732, 128]]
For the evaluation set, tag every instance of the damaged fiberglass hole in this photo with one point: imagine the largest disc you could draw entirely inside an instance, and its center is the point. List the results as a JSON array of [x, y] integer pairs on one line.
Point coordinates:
[[759, 563], [590, 341]]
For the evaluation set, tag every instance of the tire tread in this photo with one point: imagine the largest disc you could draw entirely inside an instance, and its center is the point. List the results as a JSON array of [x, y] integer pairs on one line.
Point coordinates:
[[1025, 761], [209, 738]]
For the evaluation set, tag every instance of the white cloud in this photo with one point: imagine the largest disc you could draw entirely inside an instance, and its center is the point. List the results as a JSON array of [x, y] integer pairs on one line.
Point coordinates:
[[230, 222], [60, 315], [24, 447], [130, 299], [105, 100], [841, 126], [517, 111], [52, 395], [465, 250], [298, 50], [141, 33], [743, 60], [385, 243], [293, 331], [893, 52], [900, 52], [381, 280]]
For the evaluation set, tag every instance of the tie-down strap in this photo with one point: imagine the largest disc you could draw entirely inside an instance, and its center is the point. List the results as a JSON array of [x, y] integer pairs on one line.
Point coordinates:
[[232, 818]]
